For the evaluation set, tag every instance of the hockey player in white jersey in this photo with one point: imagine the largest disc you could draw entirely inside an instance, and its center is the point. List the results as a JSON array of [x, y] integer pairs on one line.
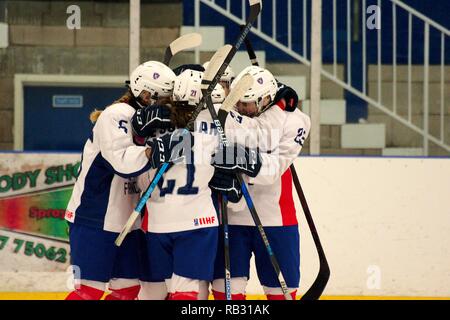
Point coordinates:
[[266, 117], [151, 289], [106, 191], [182, 221]]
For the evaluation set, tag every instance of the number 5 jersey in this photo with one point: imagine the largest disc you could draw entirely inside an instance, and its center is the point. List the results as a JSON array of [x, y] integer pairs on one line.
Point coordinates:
[[106, 190]]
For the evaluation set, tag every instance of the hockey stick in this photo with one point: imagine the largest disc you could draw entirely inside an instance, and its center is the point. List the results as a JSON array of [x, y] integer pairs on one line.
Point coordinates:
[[210, 72], [319, 284], [226, 246], [255, 9], [233, 97], [187, 41]]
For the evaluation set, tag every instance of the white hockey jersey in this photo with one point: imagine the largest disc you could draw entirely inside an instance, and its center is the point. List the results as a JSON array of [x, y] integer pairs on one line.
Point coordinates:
[[106, 190], [279, 135], [182, 201]]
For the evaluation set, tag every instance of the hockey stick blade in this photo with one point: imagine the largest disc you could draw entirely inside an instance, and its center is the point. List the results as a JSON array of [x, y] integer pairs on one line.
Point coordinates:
[[130, 222], [237, 93], [318, 286], [211, 71], [187, 41], [214, 65], [234, 96]]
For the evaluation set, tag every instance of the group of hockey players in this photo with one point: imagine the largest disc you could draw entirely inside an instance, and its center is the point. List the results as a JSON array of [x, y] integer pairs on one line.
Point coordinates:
[[175, 251]]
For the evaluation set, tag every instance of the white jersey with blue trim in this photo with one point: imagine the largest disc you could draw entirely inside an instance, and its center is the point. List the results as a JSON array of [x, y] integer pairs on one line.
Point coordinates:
[[279, 135], [106, 190], [182, 201]]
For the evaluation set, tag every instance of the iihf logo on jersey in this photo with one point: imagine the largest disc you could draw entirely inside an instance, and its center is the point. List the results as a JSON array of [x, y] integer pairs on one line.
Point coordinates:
[[204, 221], [156, 75]]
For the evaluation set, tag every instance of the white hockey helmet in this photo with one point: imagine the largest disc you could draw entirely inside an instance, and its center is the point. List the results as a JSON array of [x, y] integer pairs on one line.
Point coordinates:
[[154, 77], [227, 76], [218, 94], [187, 87], [264, 84]]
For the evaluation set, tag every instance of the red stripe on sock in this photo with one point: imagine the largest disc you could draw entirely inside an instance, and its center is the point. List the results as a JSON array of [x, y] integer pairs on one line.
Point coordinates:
[[85, 293], [281, 296], [192, 295], [129, 293], [221, 296]]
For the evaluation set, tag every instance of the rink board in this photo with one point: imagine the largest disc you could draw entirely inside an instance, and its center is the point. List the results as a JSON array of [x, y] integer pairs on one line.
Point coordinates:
[[384, 224]]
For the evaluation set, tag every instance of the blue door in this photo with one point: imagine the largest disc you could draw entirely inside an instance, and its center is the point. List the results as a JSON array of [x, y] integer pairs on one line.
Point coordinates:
[[57, 118]]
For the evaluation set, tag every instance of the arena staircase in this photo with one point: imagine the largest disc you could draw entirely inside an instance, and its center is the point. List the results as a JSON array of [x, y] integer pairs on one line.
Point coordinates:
[[408, 97]]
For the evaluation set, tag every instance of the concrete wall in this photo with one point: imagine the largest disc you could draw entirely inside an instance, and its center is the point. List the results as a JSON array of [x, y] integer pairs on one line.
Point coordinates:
[[40, 42]]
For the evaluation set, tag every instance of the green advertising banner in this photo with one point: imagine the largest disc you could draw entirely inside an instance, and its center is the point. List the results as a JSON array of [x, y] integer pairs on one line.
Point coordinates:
[[34, 192]]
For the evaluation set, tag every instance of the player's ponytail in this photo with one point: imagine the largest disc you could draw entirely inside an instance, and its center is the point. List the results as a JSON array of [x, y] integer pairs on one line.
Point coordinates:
[[127, 98], [94, 115]]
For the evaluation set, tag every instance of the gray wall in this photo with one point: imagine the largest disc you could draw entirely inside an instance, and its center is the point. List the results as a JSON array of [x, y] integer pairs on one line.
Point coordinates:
[[40, 42]]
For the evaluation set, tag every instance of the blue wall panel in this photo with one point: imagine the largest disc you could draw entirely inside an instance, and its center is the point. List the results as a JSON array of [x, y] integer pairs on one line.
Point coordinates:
[[61, 129]]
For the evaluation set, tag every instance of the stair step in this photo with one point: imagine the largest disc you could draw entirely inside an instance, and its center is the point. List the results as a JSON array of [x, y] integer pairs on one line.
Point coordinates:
[[332, 112], [417, 98], [330, 90], [370, 136], [417, 73], [213, 37], [298, 83], [402, 152]]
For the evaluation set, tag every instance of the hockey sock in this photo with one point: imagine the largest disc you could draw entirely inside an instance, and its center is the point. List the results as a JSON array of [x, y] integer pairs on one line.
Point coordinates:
[[85, 293], [129, 293], [193, 295], [280, 296]]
